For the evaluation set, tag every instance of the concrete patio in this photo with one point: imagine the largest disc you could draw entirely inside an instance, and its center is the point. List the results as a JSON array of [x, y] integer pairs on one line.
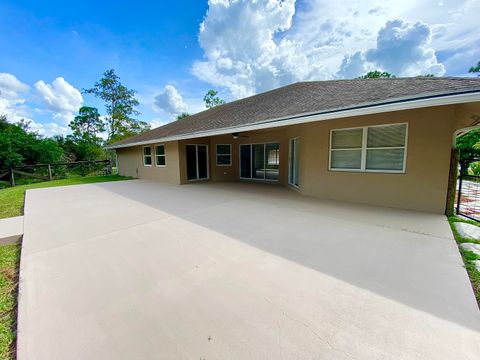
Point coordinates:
[[145, 270]]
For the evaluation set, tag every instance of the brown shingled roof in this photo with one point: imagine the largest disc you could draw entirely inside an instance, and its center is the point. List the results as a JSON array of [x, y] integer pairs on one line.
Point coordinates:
[[307, 98]]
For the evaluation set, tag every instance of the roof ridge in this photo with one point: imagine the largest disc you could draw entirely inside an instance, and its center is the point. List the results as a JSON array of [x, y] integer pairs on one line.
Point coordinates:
[[476, 78], [306, 97]]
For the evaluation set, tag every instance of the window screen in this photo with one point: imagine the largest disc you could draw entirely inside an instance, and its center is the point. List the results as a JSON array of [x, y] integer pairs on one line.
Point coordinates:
[[160, 155], [147, 156], [384, 148], [346, 152], [224, 154]]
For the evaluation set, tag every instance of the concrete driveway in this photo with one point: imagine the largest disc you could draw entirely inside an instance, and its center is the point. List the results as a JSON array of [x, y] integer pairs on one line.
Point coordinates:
[[144, 270]]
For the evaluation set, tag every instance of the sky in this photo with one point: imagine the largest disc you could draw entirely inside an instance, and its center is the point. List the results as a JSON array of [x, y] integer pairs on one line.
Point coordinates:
[[173, 52]]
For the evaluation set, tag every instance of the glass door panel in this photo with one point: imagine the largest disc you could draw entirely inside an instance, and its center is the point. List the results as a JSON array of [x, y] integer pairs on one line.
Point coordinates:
[[197, 162], [202, 159], [293, 166], [272, 161], [245, 161], [191, 162], [258, 157]]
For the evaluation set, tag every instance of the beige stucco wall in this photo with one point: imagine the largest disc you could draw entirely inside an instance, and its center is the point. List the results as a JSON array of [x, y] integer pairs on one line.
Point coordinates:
[[130, 163], [422, 187]]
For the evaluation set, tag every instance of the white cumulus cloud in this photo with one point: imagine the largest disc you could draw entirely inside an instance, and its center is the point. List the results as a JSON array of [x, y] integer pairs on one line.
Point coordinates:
[[170, 101], [253, 46], [60, 97], [402, 49], [245, 50], [13, 97], [10, 86], [48, 129]]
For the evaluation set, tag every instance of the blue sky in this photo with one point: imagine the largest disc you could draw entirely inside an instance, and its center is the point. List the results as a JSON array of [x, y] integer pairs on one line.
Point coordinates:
[[173, 52]]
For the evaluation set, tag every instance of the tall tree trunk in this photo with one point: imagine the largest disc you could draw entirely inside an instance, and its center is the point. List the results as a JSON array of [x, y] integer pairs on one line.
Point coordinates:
[[112, 121]]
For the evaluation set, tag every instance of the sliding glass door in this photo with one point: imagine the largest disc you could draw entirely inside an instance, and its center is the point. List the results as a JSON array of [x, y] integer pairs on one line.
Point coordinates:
[[197, 162], [293, 162], [260, 161]]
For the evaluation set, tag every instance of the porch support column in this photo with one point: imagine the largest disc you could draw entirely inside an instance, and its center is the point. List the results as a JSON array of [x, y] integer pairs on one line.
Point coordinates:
[[452, 183]]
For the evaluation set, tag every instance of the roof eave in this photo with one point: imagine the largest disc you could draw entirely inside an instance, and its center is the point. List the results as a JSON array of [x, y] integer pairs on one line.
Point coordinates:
[[366, 109]]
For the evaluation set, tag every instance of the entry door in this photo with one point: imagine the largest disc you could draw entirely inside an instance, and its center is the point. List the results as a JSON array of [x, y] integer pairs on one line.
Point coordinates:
[[293, 166], [197, 162]]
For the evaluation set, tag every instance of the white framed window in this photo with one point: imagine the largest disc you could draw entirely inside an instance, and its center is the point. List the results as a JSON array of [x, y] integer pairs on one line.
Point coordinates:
[[224, 155], [147, 156], [378, 148], [160, 156]]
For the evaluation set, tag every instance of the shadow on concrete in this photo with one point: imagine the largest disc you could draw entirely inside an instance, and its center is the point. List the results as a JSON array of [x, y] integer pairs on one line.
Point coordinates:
[[406, 256]]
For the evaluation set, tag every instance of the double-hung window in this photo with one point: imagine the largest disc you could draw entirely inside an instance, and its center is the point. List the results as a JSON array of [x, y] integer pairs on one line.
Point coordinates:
[[380, 148], [224, 154], [160, 155], [147, 156]]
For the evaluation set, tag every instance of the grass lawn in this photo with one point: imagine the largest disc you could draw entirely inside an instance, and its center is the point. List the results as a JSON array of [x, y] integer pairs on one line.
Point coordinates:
[[468, 256], [9, 262], [12, 198]]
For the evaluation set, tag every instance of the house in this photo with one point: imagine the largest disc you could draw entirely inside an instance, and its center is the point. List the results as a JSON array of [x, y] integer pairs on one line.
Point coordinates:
[[383, 142]]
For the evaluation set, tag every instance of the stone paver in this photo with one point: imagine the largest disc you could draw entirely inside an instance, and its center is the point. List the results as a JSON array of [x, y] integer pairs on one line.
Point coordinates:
[[477, 265], [468, 230], [475, 248]]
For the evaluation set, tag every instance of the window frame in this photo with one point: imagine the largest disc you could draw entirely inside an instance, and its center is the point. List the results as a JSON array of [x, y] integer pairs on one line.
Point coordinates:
[[157, 156], [145, 156], [364, 148], [217, 154]]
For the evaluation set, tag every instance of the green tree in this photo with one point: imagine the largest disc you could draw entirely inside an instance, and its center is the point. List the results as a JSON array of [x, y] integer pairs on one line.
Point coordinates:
[[87, 124], [44, 151], [183, 115], [11, 140], [376, 74], [19, 146], [69, 145], [475, 69], [474, 168], [466, 145], [120, 104], [211, 99]]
